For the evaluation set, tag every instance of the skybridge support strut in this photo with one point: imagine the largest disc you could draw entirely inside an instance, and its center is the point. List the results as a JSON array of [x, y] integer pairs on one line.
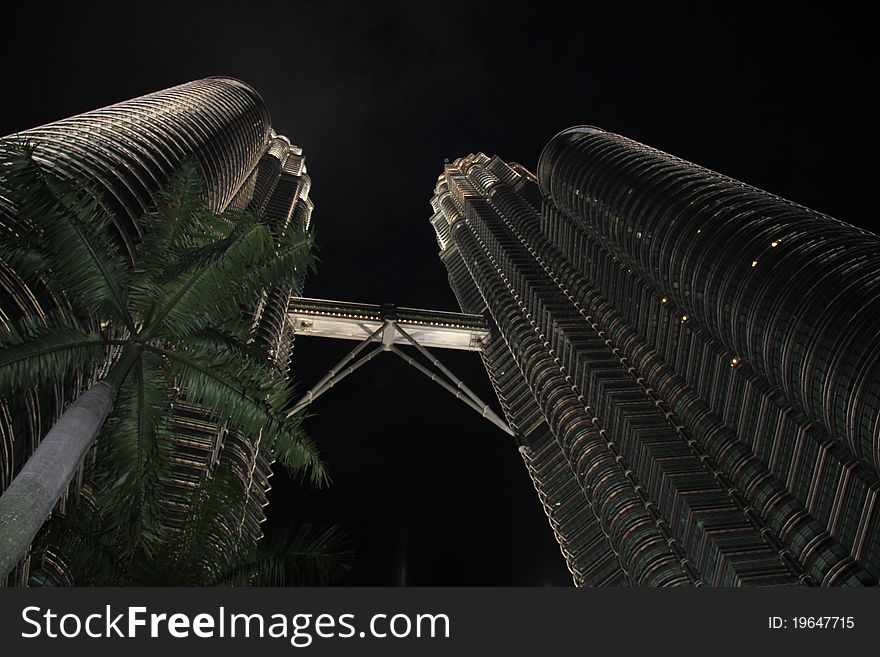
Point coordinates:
[[336, 373], [471, 400], [387, 335]]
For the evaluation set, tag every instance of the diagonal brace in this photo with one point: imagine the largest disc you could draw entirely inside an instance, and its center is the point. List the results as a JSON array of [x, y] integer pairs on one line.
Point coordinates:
[[336, 374], [478, 405], [436, 363]]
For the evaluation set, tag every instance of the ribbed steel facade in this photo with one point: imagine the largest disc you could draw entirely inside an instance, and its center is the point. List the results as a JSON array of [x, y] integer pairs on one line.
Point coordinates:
[[689, 363], [127, 152]]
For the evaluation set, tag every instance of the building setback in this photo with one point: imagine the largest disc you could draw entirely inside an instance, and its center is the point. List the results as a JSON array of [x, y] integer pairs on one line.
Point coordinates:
[[691, 365], [127, 152]]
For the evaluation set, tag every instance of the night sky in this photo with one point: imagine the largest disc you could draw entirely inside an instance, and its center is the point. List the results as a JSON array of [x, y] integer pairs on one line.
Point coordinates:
[[378, 94]]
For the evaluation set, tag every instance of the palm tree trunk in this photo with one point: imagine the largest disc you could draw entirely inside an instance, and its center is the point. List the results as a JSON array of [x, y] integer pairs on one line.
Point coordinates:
[[32, 495]]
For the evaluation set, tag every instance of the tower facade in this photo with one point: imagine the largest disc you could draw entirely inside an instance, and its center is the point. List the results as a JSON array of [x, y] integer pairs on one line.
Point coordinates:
[[128, 152], [691, 365]]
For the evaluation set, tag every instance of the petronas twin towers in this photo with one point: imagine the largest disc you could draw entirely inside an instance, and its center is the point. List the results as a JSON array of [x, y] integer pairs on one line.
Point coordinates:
[[690, 366]]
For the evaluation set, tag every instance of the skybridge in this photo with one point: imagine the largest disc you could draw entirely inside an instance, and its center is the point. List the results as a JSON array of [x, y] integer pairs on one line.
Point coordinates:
[[387, 328]]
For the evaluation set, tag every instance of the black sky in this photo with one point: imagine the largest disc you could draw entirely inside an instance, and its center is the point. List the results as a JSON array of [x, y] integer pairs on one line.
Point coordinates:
[[378, 94]]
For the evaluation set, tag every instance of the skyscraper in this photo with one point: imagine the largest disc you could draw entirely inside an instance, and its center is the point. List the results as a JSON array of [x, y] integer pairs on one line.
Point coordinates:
[[691, 365], [127, 152]]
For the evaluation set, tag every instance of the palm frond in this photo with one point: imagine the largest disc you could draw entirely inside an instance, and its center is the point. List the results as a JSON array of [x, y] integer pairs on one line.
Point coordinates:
[[78, 543], [37, 351], [229, 347], [307, 555], [181, 220], [215, 280], [133, 456], [213, 235], [292, 259], [211, 541], [300, 455], [217, 288], [231, 393], [65, 238]]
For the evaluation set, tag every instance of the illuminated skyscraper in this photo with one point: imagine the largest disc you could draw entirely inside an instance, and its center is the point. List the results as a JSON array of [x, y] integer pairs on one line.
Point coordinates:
[[127, 152], [691, 365]]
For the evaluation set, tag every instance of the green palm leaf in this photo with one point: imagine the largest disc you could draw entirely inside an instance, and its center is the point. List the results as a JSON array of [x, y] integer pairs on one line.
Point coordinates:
[[36, 352], [215, 287], [229, 389], [84, 549], [206, 547], [134, 451], [305, 556], [65, 239]]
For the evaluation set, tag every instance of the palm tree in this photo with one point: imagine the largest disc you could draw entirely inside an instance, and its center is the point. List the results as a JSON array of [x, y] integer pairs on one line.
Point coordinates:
[[76, 549], [168, 322]]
